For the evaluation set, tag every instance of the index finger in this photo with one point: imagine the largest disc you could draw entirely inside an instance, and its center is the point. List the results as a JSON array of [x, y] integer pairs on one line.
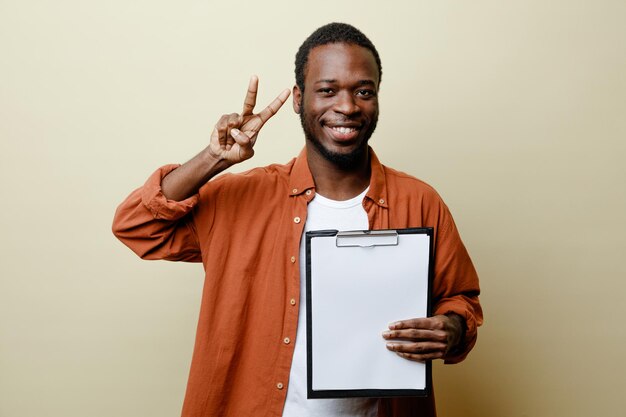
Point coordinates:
[[250, 100], [418, 323], [274, 106]]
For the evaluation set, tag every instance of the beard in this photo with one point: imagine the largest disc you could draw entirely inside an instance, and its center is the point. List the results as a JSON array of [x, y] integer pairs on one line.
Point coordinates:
[[343, 161]]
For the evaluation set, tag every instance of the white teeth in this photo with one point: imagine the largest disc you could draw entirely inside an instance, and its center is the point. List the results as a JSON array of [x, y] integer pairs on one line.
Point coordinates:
[[344, 130]]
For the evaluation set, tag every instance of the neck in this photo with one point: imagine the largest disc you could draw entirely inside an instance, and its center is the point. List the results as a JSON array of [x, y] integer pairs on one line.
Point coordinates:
[[338, 183]]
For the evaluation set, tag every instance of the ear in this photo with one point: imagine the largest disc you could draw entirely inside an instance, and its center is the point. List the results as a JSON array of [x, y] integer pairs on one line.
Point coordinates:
[[297, 99]]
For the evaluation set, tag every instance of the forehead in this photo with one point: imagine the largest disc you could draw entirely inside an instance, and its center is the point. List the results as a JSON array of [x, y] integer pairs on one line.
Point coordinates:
[[341, 62]]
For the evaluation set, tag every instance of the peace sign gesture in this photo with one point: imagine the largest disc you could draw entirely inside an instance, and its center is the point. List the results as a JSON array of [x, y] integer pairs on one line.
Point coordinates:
[[234, 135]]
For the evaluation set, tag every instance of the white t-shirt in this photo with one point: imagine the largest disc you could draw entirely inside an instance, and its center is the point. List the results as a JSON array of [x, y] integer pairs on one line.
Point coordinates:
[[323, 213]]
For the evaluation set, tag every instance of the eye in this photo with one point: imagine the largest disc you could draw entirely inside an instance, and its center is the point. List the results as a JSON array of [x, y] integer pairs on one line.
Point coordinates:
[[326, 91], [366, 93]]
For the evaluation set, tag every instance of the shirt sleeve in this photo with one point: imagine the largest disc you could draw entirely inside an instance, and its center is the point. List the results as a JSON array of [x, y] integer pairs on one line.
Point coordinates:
[[157, 228], [456, 287]]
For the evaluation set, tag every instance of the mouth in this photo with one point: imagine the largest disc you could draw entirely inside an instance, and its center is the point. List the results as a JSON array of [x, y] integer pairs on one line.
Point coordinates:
[[343, 132]]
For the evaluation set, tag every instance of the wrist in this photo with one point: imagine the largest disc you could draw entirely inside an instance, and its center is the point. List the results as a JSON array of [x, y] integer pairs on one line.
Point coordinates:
[[215, 162], [457, 322]]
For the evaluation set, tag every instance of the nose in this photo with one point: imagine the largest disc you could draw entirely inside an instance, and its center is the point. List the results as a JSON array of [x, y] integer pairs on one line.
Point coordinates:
[[346, 104]]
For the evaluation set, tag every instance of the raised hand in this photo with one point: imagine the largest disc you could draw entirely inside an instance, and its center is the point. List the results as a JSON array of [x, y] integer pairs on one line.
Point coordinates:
[[234, 135], [232, 141]]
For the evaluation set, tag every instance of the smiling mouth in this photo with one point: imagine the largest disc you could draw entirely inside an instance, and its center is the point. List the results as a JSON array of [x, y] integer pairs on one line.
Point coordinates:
[[344, 130], [343, 133]]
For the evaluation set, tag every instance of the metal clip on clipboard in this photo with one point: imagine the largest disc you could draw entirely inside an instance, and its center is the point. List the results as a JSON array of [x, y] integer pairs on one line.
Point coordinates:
[[366, 238]]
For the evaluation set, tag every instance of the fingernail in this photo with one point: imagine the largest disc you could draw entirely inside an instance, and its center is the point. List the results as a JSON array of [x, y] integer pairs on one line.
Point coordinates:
[[234, 132], [394, 324], [390, 345], [386, 333]]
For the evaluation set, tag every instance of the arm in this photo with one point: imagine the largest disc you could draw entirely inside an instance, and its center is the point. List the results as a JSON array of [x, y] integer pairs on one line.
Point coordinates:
[[153, 220]]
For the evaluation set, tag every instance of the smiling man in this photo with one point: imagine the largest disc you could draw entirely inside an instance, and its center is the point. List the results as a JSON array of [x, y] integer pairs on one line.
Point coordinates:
[[250, 357], [338, 127]]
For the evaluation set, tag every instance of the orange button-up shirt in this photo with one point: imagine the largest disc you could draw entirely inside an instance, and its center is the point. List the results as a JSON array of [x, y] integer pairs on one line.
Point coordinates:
[[246, 230]]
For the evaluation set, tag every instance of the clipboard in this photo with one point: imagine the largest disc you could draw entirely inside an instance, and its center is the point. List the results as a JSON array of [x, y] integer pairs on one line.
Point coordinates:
[[357, 283]]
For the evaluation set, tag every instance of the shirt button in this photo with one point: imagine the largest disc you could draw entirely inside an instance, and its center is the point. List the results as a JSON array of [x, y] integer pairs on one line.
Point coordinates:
[[296, 219], [381, 201], [308, 192], [293, 259], [292, 301], [287, 340], [279, 385], [295, 190]]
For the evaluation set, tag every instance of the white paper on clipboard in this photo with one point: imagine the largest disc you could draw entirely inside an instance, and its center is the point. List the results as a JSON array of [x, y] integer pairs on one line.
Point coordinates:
[[357, 285]]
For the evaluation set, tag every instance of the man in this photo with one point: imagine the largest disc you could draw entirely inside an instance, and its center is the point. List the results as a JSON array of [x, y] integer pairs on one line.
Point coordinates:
[[247, 228]]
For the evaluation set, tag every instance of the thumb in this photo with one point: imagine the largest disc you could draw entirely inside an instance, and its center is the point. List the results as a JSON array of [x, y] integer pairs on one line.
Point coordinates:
[[246, 150], [241, 138]]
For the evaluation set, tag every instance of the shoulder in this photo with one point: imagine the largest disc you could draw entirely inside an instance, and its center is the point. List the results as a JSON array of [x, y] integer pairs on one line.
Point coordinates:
[[261, 179], [415, 203], [405, 184]]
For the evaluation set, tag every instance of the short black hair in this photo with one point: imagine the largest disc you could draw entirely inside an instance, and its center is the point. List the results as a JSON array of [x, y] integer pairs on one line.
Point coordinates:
[[333, 33]]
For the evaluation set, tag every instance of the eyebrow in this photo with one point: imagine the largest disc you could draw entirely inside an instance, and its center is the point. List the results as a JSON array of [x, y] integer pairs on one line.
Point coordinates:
[[331, 81]]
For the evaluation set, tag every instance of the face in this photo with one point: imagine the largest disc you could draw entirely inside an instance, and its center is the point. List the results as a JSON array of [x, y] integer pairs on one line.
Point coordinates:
[[339, 105]]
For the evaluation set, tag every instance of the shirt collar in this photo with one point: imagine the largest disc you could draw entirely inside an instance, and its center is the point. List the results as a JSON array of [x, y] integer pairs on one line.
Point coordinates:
[[378, 182], [301, 179]]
